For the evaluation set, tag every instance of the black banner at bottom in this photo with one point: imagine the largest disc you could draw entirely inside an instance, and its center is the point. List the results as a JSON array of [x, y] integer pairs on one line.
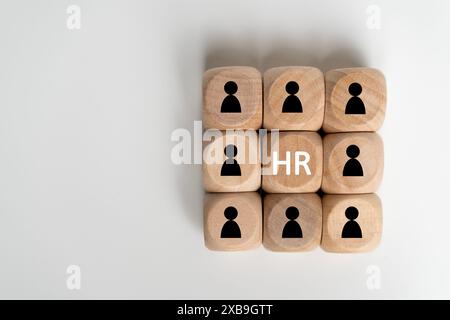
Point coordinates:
[[222, 309]]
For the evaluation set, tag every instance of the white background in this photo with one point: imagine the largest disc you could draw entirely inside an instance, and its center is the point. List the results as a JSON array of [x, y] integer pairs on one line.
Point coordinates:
[[85, 123]]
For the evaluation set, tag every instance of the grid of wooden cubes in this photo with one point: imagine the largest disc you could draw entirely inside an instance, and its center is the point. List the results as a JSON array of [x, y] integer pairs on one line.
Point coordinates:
[[293, 163]]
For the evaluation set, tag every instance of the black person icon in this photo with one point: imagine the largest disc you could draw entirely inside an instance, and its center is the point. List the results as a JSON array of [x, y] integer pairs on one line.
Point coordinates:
[[355, 105], [352, 167], [230, 229], [292, 228], [292, 103], [351, 228], [230, 103], [230, 166]]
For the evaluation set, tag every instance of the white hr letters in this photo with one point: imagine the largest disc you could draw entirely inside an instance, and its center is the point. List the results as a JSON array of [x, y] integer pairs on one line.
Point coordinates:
[[301, 159]]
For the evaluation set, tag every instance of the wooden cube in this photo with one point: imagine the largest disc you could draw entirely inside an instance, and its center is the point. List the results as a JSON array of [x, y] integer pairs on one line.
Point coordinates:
[[232, 98], [294, 98], [292, 222], [303, 157], [353, 162], [355, 100], [351, 223], [231, 161], [232, 221]]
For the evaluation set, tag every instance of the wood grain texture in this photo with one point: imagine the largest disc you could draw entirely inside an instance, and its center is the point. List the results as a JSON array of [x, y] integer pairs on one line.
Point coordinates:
[[369, 219], [309, 142], [249, 220], [249, 95], [373, 96], [275, 221], [311, 93], [370, 158], [247, 157]]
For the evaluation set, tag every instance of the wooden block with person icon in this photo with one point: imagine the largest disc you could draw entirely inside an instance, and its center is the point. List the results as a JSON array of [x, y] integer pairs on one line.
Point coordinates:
[[352, 162], [292, 222], [231, 161], [351, 223], [232, 98], [292, 162], [355, 100], [232, 221], [294, 98]]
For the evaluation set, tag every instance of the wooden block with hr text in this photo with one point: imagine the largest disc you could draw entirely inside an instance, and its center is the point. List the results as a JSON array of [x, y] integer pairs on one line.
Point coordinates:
[[292, 222], [294, 98], [231, 161], [352, 162], [232, 221], [355, 100], [294, 163], [232, 98], [351, 223]]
